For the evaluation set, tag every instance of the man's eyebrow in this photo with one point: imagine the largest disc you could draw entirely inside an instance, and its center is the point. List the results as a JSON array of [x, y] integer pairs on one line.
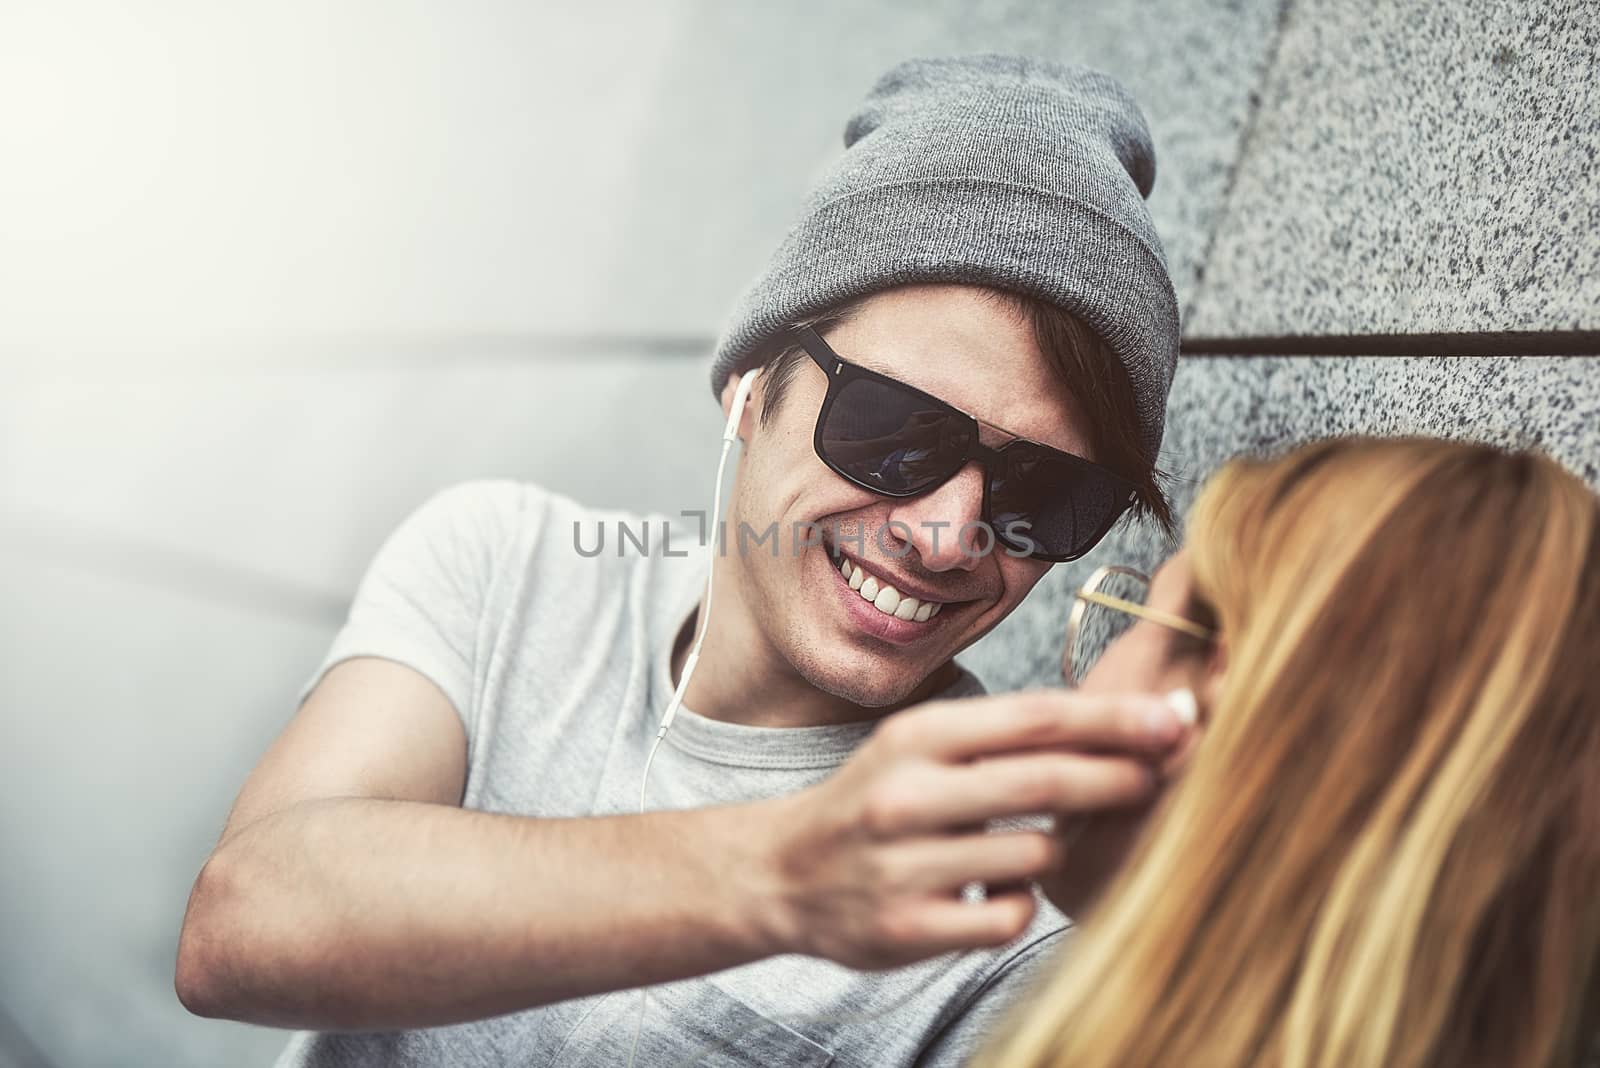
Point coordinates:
[[870, 362]]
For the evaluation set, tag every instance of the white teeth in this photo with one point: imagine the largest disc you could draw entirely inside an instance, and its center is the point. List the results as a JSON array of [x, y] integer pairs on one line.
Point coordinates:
[[885, 598]]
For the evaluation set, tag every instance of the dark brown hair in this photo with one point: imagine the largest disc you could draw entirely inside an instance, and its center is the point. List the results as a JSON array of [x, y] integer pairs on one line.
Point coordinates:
[[1085, 364]]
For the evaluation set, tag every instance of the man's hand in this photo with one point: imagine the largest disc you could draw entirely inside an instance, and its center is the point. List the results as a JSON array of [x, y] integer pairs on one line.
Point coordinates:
[[351, 892], [1096, 845], [870, 862]]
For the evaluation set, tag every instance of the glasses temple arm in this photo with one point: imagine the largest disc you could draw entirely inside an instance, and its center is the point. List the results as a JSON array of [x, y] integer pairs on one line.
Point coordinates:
[[1154, 615]]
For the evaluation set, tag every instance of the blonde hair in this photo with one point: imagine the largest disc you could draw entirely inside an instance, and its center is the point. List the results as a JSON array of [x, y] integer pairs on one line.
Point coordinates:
[[1386, 850]]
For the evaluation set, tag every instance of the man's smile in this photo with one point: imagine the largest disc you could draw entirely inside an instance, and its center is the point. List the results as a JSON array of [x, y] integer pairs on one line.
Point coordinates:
[[894, 608]]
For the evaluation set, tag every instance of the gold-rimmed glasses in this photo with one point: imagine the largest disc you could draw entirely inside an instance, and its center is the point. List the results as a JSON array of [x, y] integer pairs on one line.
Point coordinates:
[[1104, 607]]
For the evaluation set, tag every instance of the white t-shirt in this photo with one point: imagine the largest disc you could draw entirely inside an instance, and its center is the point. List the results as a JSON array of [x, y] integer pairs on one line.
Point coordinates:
[[558, 664]]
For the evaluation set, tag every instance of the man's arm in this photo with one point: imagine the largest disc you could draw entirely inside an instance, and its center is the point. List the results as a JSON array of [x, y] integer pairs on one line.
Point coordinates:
[[350, 892]]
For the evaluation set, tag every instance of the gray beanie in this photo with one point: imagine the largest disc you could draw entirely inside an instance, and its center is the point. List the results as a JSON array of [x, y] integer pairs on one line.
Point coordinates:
[[1013, 172]]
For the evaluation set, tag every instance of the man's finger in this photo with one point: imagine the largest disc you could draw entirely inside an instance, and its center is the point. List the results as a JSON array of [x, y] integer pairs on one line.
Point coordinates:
[[948, 798], [976, 726], [945, 863], [941, 925]]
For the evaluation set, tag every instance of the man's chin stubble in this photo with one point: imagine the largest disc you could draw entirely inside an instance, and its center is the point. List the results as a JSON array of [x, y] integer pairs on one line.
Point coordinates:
[[846, 686]]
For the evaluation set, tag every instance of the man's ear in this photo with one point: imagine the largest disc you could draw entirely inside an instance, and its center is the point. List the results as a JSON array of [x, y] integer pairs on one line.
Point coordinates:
[[729, 388]]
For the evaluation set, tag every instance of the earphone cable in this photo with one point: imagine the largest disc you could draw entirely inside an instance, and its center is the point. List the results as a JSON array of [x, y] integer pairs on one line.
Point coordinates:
[[729, 436]]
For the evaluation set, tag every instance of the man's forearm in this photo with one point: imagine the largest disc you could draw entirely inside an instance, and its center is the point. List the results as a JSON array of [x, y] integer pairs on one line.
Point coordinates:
[[358, 914]]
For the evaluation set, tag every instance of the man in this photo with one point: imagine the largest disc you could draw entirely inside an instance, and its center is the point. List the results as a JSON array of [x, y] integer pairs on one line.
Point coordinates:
[[443, 860]]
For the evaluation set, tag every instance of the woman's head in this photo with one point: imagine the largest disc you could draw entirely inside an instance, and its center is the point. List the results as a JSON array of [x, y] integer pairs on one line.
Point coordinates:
[[1385, 848]]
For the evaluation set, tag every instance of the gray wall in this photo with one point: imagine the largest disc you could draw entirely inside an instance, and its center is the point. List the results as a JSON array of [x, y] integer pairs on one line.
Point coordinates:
[[273, 273]]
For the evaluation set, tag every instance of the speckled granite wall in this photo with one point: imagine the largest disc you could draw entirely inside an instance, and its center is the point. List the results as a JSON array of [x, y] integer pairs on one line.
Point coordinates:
[[1223, 406], [1416, 167], [1411, 168]]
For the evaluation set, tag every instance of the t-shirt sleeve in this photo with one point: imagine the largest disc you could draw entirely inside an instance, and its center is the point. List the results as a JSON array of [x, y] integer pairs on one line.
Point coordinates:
[[990, 1006], [421, 601]]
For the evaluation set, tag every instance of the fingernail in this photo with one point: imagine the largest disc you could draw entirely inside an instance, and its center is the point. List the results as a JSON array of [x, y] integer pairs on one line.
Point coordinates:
[[1184, 706], [1163, 720]]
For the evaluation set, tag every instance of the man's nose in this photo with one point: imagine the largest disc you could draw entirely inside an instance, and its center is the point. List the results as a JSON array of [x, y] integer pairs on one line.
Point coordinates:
[[940, 524]]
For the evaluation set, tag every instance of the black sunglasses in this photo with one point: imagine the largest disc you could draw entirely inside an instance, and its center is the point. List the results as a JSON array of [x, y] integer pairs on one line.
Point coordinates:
[[898, 441]]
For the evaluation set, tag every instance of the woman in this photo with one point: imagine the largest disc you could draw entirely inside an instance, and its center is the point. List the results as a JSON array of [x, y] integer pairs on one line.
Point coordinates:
[[1383, 845]]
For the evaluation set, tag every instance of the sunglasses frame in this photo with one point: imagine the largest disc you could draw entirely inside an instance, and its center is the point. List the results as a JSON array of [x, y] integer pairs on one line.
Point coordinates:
[[841, 371], [1089, 594]]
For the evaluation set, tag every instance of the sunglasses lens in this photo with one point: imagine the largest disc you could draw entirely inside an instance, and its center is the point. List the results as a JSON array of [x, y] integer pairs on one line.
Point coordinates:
[[1061, 505], [890, 439], [1096, 625]]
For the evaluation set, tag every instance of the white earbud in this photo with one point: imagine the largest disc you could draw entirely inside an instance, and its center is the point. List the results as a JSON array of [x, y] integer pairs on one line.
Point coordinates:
[[741, 394]]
